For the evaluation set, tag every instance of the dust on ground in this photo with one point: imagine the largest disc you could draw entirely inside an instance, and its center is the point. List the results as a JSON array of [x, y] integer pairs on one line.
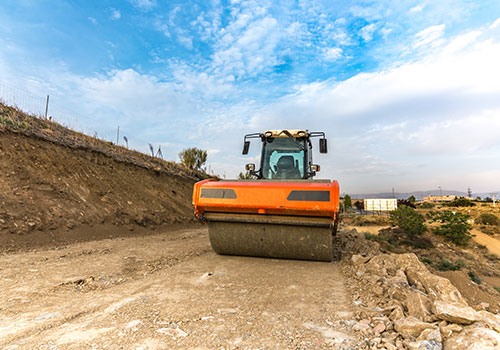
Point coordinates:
[[169, 290]]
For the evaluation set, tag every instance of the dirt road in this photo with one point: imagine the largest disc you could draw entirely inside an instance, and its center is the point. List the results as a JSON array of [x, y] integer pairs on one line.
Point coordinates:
[[169, 291], [492, 243]]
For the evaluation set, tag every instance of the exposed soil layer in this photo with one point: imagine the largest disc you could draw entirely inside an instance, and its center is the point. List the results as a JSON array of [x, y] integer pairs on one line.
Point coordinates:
[[48, 188]]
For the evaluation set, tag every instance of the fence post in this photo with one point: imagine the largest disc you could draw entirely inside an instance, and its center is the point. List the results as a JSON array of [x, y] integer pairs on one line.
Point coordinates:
[[47, 107]]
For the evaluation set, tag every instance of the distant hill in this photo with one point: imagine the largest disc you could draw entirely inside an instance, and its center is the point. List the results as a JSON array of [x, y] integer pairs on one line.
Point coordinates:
[[420, 194]]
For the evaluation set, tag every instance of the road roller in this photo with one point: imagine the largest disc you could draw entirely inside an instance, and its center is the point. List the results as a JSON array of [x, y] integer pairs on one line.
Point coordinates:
[[279, 210]]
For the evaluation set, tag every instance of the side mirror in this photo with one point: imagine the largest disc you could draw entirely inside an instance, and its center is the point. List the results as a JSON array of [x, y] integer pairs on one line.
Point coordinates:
[[246, 146], [250, 167], [315, 168], [322, 146]]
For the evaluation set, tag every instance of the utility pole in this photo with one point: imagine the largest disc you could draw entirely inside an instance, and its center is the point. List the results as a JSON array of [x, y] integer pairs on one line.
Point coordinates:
[[393, 193], [469, 192], [118, 135], [440, 192], [47, 107], [493, 196]]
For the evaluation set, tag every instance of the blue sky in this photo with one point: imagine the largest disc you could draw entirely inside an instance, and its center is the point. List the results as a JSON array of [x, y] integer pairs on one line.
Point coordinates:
[[408, 92]]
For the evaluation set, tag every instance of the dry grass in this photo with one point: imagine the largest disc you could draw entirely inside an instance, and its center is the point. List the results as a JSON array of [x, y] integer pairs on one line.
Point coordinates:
[[14, 120]]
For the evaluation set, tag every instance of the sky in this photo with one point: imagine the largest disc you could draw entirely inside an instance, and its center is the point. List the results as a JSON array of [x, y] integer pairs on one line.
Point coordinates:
[[407, 92]]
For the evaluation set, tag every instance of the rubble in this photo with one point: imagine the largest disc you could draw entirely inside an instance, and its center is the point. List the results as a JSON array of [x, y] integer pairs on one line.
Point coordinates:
[[411, 327], [453, 312], [404, 306], [474, 338]]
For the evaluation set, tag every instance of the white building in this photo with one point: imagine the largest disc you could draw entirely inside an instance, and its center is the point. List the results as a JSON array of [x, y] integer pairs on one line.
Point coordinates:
[[381, 204]]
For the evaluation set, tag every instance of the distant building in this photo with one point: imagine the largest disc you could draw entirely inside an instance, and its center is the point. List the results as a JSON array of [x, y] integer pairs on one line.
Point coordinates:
[[381, 204], [442, 198]]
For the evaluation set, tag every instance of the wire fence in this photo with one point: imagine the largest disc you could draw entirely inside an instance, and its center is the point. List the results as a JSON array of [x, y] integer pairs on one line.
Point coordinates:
[[56, 124], [43, 107]]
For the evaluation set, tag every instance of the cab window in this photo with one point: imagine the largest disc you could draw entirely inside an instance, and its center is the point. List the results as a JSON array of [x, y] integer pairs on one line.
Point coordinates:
[[283, 158]]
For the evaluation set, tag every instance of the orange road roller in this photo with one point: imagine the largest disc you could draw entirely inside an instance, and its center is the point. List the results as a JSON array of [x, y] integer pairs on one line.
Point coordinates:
[[281, 211]]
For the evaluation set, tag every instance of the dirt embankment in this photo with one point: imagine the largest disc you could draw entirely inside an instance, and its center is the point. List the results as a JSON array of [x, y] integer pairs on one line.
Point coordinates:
[[51, 190]]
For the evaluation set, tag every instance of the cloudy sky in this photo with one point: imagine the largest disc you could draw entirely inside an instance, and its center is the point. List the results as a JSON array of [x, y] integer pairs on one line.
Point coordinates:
[[408, 92]]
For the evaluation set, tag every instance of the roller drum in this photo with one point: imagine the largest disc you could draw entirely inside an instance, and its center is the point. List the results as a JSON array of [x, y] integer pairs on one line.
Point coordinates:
[[272, 240]]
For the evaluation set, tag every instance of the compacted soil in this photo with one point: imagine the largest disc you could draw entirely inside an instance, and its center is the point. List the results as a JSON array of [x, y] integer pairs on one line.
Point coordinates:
[[169, 290]]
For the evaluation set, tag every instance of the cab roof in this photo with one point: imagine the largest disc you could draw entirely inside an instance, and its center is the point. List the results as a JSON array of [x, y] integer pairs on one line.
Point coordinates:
[[282, 133]]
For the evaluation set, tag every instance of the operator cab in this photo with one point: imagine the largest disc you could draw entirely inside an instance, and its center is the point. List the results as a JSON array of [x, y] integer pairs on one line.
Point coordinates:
[[286, 154]]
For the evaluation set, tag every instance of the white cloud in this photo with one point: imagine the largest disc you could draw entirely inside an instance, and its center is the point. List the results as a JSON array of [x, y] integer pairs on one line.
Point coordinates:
[[439, 111], [368, 13], [332, 53], [144, 4], [461, 41], [495, 24], [115, 14], [185, 41], [430, 36], [93, 20], [247, 46], [385, 32], [367, 31], [417, 8], [462, 135]]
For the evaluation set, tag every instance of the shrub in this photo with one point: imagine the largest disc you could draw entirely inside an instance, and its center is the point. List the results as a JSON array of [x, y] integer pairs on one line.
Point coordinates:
[[426, 261], [427, 205], [454, 226], [474, 278], [461, 202], [370, 236], [406, 202], [496, 288], [193, 158], [446, 265], [407, 219], [360, 205], [418, 242], [489, 219], [7, 121]]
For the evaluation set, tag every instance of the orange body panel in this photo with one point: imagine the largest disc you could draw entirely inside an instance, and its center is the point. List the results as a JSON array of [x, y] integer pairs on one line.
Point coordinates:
[[274, 198]]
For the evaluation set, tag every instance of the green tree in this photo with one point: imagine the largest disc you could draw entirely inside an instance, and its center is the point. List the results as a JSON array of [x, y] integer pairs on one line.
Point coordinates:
[[347, 201], [193, 158], [407, 219], [412, 199], [453, 226]]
